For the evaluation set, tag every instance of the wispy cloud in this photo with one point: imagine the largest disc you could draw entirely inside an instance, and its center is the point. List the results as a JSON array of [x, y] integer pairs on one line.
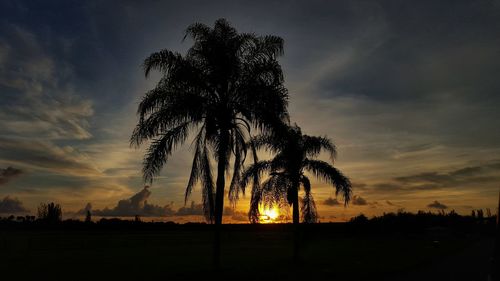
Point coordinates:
[[45, 155], [488, 173], [8, 174], [39, 96]]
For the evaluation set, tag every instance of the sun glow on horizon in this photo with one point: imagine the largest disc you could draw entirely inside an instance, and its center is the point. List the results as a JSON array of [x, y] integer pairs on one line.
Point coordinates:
[[269, 215]]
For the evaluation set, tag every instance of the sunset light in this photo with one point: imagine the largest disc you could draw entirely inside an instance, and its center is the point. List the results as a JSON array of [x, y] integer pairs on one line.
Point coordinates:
[[270, 215], [253, 140]]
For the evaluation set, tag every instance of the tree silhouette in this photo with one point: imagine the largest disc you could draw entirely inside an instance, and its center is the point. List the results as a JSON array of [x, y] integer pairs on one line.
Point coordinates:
[[50, 213], [294, 154], [226, 84]]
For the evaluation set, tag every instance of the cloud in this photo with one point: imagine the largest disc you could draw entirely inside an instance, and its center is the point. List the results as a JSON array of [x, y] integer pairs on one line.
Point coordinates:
[[38, 90], [45, 155], [331, 202], [135, 205], [41, 114], [428, 177], [12, 206], [84, 211], [358, 200], [359, 185], [236, 215], [464, 176], [138, 205], [387, 186], [437, 205], [467, 176], [391, 203], [8, 174], [193, 210]]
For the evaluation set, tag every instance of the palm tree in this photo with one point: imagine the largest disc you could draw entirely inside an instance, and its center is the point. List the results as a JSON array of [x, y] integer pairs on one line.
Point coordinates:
[[226, 84], [294, 155]]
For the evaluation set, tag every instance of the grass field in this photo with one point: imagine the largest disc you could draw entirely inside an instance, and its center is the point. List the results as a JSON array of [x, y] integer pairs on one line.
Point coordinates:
[[248, 253]]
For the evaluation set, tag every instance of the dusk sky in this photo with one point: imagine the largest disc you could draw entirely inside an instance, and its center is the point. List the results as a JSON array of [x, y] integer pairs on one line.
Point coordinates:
[[408, 93]]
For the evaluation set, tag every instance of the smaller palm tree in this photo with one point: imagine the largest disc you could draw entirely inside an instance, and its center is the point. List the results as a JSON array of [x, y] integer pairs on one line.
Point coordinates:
[[294, 155]]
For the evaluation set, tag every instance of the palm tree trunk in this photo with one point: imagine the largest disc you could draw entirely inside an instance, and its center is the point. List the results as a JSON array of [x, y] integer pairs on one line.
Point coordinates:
[[219, 196], [221, 177], [296, 221], [295, 206]]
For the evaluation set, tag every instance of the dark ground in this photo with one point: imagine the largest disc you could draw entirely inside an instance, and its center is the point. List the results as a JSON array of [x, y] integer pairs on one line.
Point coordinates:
[[333, 252]]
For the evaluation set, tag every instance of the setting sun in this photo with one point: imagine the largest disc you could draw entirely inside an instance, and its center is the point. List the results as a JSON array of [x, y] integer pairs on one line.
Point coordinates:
[[269, 215]]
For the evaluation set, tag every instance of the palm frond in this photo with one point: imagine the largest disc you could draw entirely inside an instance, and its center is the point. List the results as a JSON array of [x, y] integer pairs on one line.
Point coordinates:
[[255, 170], [314, 145], [308, 209], [161, 148], [197, 169], [177, 109], [163, 60], [271, 45], [240, 151], [324, 171], [197, 31], [208, 187]]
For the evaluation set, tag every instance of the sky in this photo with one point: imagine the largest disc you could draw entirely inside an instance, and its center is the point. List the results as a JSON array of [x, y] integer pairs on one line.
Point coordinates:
[[408, 91]]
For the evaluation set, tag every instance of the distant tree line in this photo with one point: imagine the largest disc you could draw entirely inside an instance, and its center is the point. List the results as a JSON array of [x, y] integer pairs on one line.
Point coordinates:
[[423, 220], [51, 214]]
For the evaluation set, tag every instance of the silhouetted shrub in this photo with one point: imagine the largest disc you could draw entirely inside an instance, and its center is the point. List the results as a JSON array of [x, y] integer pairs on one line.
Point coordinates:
[[359, 219]]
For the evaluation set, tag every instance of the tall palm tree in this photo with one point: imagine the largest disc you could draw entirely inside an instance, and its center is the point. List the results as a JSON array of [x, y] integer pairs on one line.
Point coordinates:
[[294, 154], [226, 84]]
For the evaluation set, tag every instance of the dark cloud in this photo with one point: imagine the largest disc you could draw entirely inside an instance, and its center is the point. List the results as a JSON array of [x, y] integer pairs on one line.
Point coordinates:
[[387, 186], [135, 205], [331, 202], [437, 205], [193, 210], [416, 147], [84, 211], [485, 173], [391, 203], [430, 177], [474, 171], [138, 205], [8, 174], [358, 200], [473, 175], [359, 185], [12, 206], [236, 215]]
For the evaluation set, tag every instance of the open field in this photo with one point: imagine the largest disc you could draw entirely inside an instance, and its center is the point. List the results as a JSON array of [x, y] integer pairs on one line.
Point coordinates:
[[248, 253]]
